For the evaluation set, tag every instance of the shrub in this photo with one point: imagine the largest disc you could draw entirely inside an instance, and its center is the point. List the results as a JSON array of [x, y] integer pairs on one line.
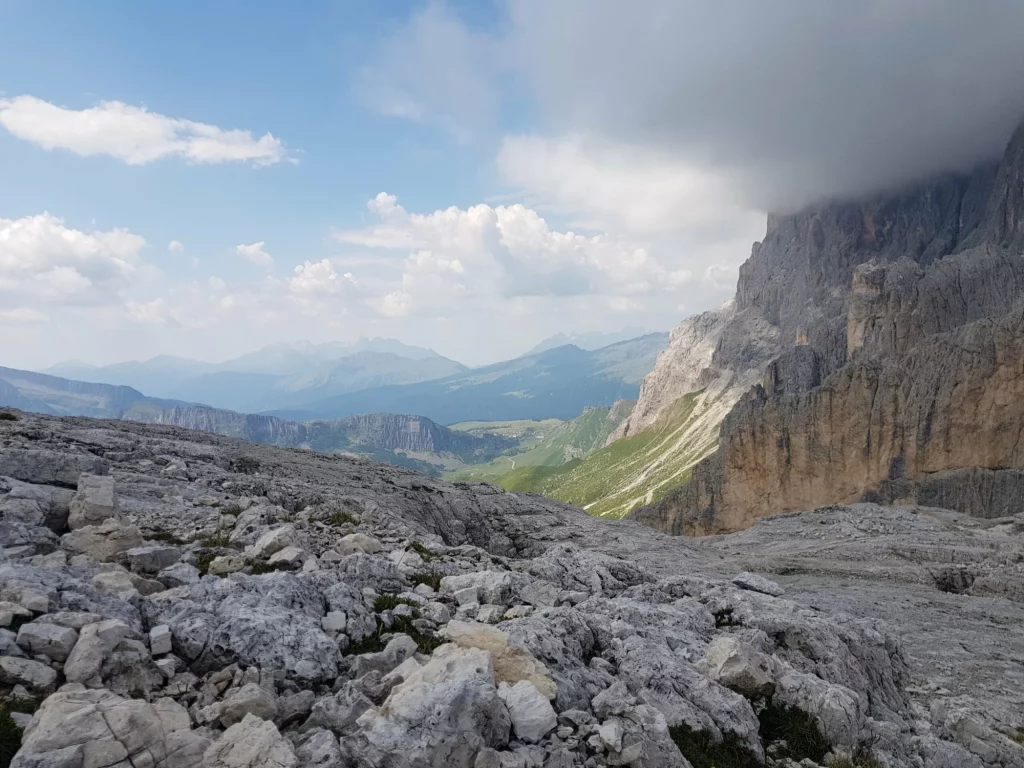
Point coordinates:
[[423, 552], [340, 517], [10, 737], [221, 539], [700, 748], [7, 416], [724, 618], [258, 569], [203, 562], [166, 537], [247, 465], [797, 729], [386, 602], [432, 580]]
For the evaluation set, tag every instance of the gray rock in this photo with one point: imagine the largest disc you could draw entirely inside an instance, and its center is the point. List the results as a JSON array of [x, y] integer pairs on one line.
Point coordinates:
[[50, 640], [31, 674], [319, 750], [755, 583], [252, 743], [153, 558], [338, 713], [79, 727], [249, 699], [102, 542], [355, 543], [95, 501], [95, 641], [160, 640], [179, 575], [532, 715]]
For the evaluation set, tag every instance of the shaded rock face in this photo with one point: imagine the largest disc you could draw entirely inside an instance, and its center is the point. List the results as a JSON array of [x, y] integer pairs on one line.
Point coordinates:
[[898, 372]]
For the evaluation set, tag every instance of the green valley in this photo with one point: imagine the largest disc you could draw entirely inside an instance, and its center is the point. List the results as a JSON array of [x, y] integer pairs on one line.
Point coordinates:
[[629, 472], [550, 443]]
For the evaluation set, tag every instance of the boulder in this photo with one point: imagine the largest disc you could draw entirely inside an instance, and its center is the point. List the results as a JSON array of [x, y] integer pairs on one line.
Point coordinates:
[[95, 641], [443, 715], [179, 575], [512, 663], [77, 727], [160, 640], [31, 674], [355, 543], [153, 558], [50, 640], [222, 565], [102, 542], [531, 712], [272, 541], [735, 665], [95, 501], [319, 750], [249, 699], [252, 743]]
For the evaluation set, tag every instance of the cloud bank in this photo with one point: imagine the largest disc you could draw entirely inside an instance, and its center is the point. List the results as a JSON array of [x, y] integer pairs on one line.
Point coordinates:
[[132, 134]]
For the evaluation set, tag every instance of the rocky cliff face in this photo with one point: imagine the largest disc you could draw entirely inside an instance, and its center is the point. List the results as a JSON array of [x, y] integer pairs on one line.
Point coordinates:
[[377, 431], [899, 357]]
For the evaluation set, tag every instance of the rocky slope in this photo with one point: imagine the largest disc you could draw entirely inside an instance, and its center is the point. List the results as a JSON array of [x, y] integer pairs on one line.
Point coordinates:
[[176, 598], [898, 361]]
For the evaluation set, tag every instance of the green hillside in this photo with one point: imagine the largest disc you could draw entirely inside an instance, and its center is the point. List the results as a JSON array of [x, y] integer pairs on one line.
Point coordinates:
[[548, 443], [629, 472]]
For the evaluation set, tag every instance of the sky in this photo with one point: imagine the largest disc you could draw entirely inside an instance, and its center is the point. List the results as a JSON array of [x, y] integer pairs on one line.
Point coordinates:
[[205, 178]]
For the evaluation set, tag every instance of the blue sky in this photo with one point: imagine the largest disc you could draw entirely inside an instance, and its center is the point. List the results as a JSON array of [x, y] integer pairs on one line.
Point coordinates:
[[203, 178]]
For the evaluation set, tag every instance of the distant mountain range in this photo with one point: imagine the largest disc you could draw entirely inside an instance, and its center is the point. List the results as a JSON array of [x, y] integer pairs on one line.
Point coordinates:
[[275, 377], [558, 383], [411, 441], [590, 341]]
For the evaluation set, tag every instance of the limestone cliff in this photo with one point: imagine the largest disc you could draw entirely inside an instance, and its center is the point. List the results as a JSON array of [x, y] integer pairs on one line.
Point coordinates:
[[366, 433], [899, 366]]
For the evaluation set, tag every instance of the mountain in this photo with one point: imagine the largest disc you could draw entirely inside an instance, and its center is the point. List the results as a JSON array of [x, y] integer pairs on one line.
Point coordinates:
[[592, 340], [58, 396], [543, 444], [558, 383], [410, 441], [272, 377], [885, 341]]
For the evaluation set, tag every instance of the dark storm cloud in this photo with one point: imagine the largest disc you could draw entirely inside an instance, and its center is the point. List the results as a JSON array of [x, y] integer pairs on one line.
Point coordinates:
[[792, 99]]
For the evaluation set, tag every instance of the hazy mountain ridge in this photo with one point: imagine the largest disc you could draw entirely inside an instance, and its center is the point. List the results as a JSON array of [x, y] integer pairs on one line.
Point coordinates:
[[269, 378], [558, 383]]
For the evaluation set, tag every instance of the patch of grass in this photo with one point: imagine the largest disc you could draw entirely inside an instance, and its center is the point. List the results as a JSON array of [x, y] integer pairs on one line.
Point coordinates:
[[7, 416], [634, 470], [221, 540], [203, 562], [797, 729], [258, 569], [724, 618], [26, 706], [432, 580], [166, 537], [700, 748], [1018, 735], [386, 602], [232, 509], [247, 465], [340, 517], [421, 550], [10, 737], [369, 644]]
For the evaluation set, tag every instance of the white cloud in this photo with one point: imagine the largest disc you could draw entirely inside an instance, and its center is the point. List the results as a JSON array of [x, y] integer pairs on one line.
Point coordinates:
[[155, 312], [320, 279], [175, 246], [456, 257], [21, 316], [435, 70], [628, 188], [133, 134], [254, 253], [44, 261]]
